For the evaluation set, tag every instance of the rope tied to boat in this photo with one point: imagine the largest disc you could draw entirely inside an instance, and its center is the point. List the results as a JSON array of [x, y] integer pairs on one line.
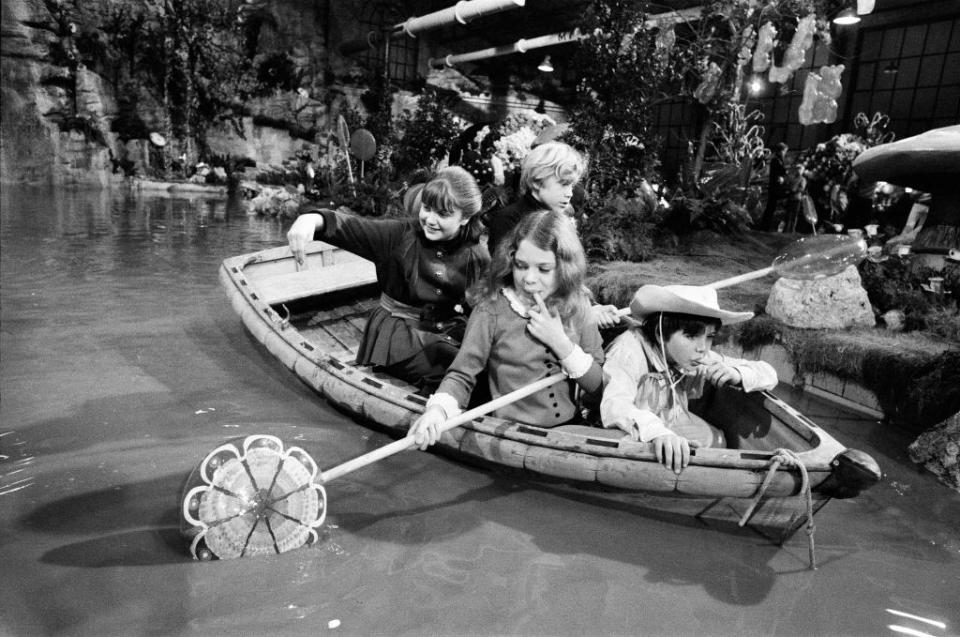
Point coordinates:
[[787, 458]]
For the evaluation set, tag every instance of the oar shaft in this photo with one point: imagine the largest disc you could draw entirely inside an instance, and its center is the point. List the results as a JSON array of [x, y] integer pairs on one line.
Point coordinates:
[[406, 442], [740, 278]]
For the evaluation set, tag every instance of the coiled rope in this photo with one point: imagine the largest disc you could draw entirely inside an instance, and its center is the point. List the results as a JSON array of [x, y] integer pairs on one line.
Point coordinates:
[[788, 458]]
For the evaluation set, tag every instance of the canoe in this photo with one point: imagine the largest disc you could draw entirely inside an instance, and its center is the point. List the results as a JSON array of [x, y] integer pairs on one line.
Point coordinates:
[[312, 319]]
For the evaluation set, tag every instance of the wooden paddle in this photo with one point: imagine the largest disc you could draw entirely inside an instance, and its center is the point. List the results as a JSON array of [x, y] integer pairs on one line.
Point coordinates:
[[407, 442]]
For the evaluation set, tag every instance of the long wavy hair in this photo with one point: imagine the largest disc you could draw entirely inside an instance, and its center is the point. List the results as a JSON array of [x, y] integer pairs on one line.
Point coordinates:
[[547, 230], [452, 189]]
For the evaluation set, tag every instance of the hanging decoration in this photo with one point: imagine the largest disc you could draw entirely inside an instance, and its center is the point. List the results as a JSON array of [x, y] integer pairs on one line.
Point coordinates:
[[796, 52], [708, 86], [766, 40], [820, 95]]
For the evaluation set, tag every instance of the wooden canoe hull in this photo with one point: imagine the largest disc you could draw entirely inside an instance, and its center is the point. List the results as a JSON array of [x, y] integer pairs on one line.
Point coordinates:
[[265, 287]]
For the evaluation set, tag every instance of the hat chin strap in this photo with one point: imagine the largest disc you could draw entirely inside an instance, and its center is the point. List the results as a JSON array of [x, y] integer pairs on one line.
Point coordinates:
[[666, 366]]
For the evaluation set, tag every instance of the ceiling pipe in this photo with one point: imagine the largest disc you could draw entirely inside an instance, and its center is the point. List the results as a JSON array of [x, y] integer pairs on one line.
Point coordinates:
[[520, 46], [523, 45], [462, 13]]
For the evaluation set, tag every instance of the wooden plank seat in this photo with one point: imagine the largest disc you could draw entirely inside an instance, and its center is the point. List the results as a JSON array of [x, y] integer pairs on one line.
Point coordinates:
[[281, 288]]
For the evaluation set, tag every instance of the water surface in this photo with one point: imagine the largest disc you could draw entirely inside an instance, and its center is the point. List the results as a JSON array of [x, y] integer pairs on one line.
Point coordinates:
[[122, 364]]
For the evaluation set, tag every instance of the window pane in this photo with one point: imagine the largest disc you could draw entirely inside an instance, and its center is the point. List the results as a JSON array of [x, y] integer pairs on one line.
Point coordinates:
[[938, 36], [907, 73], [924, 101], [914, 40], [892, 39], [865, 75], [930, 68], [871, 45]]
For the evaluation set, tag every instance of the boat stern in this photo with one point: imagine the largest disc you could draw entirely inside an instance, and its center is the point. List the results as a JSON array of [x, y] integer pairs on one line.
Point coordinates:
[[853, 472]]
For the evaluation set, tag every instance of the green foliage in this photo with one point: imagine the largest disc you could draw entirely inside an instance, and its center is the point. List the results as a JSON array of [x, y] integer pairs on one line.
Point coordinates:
[[619, 229], [895, 285], [426, 135], [622, 70]]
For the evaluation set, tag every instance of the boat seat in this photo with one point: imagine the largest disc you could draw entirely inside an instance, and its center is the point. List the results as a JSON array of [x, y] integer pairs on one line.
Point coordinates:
[[281, 288]]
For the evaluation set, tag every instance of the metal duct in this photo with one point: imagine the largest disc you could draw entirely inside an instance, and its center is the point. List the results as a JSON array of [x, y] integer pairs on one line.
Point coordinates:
[[462, 12]]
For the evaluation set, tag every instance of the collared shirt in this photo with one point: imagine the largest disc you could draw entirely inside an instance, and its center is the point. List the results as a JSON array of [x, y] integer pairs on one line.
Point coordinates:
[[497, 341], [637, 385]]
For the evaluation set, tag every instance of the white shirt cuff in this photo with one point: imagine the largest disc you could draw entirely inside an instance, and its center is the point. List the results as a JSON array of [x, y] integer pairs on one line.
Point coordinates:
[[447, 403], [577, 363]]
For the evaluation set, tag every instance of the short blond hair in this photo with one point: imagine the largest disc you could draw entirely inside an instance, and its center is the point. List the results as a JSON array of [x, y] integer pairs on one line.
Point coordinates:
[[552, 159]]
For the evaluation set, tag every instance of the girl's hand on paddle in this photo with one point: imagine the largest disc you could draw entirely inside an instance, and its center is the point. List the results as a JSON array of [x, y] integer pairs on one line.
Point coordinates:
[[301, 233], [605, 315], [425, 431], [673, 451], [548, 329], [721, 374]]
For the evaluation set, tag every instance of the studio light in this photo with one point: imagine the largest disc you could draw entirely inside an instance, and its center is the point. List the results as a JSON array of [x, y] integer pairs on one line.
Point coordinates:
[[846, 17], [545, 66]]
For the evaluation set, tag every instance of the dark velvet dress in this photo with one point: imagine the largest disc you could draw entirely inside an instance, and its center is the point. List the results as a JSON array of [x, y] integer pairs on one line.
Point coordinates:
[[500, 222], [416, 330]]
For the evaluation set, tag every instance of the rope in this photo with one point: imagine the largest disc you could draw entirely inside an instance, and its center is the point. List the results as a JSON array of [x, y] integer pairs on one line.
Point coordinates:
[[788, 458]]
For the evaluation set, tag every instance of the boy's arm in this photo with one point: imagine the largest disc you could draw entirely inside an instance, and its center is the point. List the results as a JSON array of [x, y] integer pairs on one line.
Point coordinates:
[[754, 375]]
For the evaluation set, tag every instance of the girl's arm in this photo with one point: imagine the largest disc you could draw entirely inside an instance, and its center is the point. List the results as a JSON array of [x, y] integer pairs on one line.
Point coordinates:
[[623, 371], [458, 383], [372, 239], [302, 232]]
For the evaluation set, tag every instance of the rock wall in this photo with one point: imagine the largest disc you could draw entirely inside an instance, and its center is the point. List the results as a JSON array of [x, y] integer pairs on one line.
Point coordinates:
[[41, 140], [47, 136]]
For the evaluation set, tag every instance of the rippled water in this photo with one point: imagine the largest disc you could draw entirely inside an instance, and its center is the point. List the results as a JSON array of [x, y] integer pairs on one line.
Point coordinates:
[[122, 364]]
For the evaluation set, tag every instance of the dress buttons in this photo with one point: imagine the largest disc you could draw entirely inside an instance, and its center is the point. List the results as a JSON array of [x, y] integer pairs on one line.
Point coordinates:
[[552, 395]]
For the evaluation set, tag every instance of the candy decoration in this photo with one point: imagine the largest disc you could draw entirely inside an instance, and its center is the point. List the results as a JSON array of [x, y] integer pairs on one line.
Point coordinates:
[[766, 40], [250, 496]]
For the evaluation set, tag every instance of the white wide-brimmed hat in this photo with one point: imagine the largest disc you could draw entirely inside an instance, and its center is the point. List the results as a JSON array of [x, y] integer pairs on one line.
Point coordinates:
[[683, 299]]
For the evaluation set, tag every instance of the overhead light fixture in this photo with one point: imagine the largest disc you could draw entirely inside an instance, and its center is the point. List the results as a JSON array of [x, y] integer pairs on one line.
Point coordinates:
[[846, 17], [756, 85], [890, 69], [865, 6], [545, 66]]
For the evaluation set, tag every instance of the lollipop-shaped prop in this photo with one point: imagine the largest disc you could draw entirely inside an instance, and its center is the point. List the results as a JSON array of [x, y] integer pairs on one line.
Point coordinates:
[[805, 259], [253, 497], [808, 258]]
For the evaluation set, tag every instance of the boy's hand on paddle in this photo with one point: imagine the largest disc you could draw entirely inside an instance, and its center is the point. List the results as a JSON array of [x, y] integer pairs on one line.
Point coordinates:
[[548, 328], [301, 233], [605, 315], [673, 451], [425, 431], [720, 374]]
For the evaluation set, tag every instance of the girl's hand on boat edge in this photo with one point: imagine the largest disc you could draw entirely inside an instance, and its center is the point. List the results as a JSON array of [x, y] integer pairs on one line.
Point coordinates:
[[301, 233], [673, 451], [425, 430]]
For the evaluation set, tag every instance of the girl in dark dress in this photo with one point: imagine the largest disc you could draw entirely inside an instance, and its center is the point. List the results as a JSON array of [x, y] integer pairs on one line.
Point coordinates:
[[424, 267]]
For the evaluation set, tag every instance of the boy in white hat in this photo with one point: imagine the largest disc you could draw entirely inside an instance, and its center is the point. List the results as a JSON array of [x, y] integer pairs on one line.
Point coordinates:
[[651, 371]]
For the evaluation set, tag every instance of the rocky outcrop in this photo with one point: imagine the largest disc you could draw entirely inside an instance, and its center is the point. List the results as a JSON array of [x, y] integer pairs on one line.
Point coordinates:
[[836, 302], [52, 119], [938, 450]]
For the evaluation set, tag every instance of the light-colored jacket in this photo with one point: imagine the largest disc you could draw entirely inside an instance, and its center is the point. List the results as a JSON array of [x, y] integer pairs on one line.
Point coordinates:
[[637, 389]]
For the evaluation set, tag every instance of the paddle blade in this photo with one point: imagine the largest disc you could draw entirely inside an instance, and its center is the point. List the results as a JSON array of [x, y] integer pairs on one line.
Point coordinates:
[[819, 256]]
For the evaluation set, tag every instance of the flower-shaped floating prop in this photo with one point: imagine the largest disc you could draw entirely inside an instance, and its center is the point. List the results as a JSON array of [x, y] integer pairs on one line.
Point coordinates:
[[251, 496]]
